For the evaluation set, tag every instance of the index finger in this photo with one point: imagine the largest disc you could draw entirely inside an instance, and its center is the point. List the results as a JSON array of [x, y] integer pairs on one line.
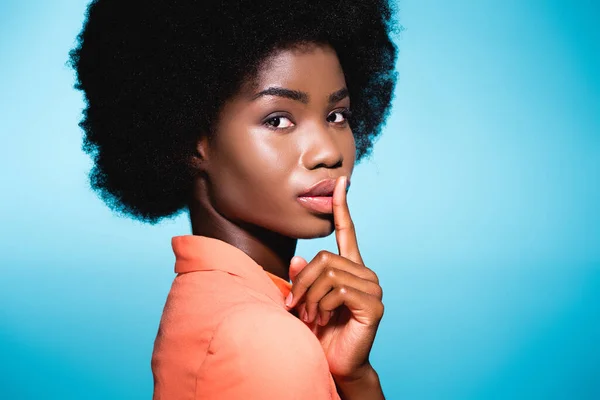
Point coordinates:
[[345, 234]]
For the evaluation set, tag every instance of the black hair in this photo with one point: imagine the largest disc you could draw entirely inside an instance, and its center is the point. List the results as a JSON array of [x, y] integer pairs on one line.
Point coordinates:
[[155, 74]]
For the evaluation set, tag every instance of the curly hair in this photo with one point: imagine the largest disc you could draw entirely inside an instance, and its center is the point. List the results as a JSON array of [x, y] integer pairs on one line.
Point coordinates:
[[155, 74]]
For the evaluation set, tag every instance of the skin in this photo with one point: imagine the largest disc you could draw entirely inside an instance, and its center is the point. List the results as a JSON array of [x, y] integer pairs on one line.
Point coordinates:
[[266, 150]]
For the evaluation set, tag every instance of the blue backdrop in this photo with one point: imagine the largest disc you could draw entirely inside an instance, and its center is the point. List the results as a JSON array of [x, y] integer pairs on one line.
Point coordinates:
[[479, 210]]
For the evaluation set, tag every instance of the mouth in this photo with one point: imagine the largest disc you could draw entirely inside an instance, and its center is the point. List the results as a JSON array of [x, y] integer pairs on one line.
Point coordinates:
[[320, 204], [323, 188], [319, 197]]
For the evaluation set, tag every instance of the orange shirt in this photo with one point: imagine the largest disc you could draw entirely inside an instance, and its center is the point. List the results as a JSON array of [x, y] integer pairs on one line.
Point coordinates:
[[225, 332]]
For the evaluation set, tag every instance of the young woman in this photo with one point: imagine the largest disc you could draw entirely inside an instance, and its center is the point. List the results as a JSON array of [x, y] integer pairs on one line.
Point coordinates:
[[239, 112]]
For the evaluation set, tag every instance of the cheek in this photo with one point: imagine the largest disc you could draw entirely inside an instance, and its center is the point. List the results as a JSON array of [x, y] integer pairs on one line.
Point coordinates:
[[252, 178]]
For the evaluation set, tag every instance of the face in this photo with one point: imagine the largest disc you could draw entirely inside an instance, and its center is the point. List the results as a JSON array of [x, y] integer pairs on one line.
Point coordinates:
[[282, 133]]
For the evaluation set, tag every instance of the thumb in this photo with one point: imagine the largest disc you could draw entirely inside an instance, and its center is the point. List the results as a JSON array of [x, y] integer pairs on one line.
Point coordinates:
[[297, 263]]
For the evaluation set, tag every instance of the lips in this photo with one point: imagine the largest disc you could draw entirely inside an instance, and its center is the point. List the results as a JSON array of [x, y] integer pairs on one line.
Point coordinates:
[[322, 188], [319, 197]]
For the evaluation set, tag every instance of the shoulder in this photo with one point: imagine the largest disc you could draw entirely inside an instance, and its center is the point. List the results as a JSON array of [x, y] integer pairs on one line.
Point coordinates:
[[266, 352], [195, 310], [192, 312], [195, 307]]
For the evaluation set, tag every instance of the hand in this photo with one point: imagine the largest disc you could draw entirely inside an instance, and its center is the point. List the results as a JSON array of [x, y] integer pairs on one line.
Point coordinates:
[[339, 297]]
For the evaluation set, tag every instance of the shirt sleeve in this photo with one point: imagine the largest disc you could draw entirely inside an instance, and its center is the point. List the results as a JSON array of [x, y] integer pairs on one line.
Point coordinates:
[[261, 352]]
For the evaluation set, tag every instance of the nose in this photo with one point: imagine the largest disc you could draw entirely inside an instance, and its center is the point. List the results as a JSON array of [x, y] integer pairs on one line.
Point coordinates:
[[322, 148]]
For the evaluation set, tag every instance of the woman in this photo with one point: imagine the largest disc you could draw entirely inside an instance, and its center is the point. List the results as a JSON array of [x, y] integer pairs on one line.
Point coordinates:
[[239, 113]]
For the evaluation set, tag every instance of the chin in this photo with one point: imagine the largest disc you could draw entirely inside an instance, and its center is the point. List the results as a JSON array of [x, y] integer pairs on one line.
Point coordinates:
[[318, 228]]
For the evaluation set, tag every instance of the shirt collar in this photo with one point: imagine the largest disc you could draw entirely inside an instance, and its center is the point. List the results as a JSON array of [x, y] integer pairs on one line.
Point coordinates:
[[203, 253]]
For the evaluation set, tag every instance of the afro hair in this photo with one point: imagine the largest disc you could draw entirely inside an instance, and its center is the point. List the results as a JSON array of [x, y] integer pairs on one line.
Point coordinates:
[[155, 74]]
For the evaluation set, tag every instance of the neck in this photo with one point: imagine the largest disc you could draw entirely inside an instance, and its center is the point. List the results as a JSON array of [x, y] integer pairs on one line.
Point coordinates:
[[268, 249]]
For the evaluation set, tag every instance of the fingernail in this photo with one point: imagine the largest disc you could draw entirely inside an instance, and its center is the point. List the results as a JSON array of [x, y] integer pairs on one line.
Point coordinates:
[[305, 316], [288, 299]]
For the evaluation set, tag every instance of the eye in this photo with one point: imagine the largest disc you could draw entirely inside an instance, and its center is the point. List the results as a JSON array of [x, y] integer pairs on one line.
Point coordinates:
[[339, 116], [279, 122]]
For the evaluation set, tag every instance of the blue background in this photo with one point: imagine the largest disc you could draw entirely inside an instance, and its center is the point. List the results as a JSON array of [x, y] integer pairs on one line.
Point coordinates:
[[479, 210]]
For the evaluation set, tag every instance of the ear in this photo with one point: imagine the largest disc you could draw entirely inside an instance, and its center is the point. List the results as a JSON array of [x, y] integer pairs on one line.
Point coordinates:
[[200, 157]]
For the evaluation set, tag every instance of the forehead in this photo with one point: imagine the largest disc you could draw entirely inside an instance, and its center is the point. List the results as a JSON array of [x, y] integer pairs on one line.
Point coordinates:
[[311, 68]]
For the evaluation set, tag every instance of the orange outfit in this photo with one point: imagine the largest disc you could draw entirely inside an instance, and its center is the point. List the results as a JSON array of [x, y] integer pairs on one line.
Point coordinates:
[[225, 332]]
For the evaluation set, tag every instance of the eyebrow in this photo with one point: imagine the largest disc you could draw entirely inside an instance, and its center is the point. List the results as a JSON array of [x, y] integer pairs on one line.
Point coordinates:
[[299, 96], [339, 95]]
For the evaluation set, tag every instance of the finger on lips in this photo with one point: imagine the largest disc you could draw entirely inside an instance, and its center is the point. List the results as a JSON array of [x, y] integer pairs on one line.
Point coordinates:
[[331, 280]]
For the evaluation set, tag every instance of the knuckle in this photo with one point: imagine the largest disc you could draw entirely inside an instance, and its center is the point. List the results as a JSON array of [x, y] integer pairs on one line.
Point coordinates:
[[343, 290], [379, 310], [371, 275], [375, 278], [378, 292], [345, 226], [298, 283], [348, 224], [323, 256], [330, 272]]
